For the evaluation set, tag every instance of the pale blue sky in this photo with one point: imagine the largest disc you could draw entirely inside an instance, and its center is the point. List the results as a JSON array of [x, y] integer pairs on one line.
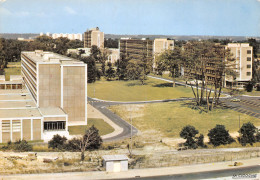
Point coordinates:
[[167, 17]]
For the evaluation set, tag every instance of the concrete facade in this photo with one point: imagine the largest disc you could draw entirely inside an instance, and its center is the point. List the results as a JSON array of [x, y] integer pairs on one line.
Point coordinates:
[[243, 54], [136, 49], [92, 37], [115, 163]]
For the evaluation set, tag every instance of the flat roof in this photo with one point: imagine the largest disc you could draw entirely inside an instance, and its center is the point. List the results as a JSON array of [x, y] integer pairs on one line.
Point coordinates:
[[115, 157], [17, 104], [19, 113], [15, 97], [52, 111], [50, 57], [13, 91]]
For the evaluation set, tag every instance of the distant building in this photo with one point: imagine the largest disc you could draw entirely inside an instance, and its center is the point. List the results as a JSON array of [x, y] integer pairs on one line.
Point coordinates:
[[93, 37], [69, 36], [113, 56], [136, 49], [243, 54], [161, 45]]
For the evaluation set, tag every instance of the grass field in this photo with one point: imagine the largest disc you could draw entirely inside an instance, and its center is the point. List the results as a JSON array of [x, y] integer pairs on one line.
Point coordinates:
[[133, 90], [170, 118], [100, 124], [13, 68]]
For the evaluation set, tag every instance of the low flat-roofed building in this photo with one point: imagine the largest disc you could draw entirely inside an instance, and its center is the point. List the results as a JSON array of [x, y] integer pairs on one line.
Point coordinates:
[[20, 118], [14, 83]]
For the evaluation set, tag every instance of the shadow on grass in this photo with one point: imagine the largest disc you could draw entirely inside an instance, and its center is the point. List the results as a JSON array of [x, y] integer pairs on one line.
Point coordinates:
[[166, 85]]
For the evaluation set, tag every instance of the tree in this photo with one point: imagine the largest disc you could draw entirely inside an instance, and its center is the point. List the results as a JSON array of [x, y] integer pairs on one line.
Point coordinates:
[[247, 134], [90, 140], [111, 43], [61, 45], [121, 70], [110, 72], [208, 63], [57, 142], [219, 136], [135, 71], [92, 69], [189, 133], [170, 60]]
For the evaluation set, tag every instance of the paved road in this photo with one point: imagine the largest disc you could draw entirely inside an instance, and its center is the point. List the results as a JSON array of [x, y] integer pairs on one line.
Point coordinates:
[[102, 107], [237, 173], [247, 105]]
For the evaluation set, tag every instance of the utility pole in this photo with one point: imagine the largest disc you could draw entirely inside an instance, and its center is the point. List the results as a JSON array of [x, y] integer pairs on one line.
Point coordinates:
[[239, 121], [131, 129]]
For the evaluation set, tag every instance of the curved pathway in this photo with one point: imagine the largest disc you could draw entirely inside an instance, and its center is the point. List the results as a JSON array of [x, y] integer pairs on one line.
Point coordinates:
[[248, 105]]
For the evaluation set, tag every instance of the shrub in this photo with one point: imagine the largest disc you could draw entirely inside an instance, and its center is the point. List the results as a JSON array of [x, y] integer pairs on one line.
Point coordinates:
[[257, 136], [73, 145], [189, 133], [57, 142], [200, 141], [249, 86], [219, 135], [247, 134], [22, 146]]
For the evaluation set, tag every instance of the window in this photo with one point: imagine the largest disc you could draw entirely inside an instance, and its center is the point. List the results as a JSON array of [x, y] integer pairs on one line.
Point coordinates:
[[248, 73], [54, 125], [248, 51], [248, 66], [248, 58]]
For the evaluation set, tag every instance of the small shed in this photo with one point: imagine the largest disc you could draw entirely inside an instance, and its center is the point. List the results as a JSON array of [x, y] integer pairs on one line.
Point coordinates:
[[115, 163]]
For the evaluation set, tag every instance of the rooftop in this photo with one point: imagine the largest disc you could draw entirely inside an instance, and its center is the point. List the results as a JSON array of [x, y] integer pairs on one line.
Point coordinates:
[[115, 157], [19, 113], [49, 57], [52, 111]]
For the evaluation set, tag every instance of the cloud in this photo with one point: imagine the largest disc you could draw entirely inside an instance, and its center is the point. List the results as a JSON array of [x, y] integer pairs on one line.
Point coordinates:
[[1, 1], [70, 10], [258, 0], [4, 11]]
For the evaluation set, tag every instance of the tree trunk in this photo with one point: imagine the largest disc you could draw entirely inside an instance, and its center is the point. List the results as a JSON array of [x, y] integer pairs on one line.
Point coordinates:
[[82, 155]]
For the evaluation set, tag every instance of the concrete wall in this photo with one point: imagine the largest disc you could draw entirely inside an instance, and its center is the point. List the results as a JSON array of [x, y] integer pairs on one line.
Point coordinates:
[[74, 103], [20, 129], [49, 85]]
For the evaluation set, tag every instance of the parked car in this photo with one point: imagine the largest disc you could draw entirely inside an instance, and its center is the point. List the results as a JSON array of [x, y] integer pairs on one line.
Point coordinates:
[[235, 100]]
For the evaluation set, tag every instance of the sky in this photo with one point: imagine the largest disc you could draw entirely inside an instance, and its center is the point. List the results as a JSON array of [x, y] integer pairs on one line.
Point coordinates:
[[161, 17]]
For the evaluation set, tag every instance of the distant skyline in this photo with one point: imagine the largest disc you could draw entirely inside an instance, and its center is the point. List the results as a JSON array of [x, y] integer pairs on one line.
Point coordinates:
[[151, 17]]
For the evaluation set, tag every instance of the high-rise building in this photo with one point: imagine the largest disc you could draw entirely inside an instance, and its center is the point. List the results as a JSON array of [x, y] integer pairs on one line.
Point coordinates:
[[243, 54], [92, 37], [161, 45], [136, 49], [57, 81]]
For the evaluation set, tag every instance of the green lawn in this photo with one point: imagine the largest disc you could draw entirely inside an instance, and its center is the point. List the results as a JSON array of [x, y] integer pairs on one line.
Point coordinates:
[[100, 124], [13, 68], [170, 118], [133, 90]]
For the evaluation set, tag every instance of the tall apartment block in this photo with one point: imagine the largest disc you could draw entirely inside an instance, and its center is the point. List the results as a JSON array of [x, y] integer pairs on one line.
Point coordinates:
[[93, 37], [243, 54], [136, 48], [161, 45]]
